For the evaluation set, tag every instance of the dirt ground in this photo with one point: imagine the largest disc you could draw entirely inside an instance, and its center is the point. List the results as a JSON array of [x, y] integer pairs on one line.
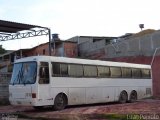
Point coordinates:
[[143, 107]]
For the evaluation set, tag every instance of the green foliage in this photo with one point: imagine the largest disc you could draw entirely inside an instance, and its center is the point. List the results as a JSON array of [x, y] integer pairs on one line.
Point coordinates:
[[2, 50], [115, 117]]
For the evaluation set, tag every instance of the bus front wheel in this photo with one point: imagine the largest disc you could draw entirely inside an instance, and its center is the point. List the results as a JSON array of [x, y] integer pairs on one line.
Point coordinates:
[[60, 102], [123, 97]]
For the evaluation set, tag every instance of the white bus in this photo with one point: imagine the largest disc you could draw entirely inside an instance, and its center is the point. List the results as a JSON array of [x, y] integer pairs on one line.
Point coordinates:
[[57, 81]]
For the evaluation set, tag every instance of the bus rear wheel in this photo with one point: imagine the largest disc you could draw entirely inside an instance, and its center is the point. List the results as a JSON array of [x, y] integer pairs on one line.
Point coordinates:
[[133, 96], [60, 102], [123, 97]]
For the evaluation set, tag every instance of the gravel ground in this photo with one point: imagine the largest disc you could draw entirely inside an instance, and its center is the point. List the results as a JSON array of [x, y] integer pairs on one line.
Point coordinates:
[[143, 107]]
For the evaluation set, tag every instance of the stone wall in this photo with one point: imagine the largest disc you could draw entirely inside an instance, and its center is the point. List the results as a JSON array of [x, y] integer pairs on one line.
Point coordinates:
[[89, 48], [136, 46], [4, 85]]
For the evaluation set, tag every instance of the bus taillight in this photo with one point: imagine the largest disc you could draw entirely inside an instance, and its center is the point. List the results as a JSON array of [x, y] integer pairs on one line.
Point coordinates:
[[33, 95]]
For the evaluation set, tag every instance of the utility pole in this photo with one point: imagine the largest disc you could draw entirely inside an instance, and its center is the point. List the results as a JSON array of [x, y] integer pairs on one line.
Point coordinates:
[[49, 34]]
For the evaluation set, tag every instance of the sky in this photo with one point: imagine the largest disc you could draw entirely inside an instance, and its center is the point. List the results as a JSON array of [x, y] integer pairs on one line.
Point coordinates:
[[71, 18]]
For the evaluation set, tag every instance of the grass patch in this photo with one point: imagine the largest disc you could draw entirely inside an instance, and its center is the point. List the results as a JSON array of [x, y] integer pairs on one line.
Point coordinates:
[[108, 116], [151, 97], [114, 117]]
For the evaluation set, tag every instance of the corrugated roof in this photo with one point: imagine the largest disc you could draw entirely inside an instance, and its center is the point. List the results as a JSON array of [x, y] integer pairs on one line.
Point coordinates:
[[13, 27]]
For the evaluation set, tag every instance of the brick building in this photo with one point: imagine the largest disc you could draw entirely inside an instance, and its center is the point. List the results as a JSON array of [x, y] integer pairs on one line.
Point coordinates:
[[64, 49], [59, 48]]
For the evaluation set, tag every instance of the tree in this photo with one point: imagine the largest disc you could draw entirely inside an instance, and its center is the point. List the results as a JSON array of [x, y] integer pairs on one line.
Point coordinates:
[[2, 50]]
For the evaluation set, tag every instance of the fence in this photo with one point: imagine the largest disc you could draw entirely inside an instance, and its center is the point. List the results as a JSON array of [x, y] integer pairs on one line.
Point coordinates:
[[4, 87]]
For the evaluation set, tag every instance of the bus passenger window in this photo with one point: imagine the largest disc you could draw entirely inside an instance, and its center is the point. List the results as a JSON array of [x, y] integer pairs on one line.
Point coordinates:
[[59, 69], [136, 73], [146, 73], [44, 73], [126, 73], [64, 69], [103, 71], [90, 71], [75, 70], [115, 72]]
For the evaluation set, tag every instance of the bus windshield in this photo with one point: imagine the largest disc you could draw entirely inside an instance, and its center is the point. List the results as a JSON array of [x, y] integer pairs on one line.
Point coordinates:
[[24, 73]]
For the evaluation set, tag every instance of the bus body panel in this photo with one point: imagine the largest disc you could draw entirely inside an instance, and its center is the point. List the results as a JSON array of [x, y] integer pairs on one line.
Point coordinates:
[[77, 95], [44, 94], [22, 94], [95, 90]]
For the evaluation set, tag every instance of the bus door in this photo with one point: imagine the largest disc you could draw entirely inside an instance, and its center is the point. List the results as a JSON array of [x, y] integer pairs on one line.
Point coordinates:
[[44, 86]]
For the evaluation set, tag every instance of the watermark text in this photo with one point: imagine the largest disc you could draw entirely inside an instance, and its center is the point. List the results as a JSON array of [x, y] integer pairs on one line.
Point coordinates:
[[143, 117], [7, 116]]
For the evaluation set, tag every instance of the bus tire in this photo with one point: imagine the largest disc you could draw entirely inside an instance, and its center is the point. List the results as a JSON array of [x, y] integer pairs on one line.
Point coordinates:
[[60, 102], [123, 97], [133, 96]]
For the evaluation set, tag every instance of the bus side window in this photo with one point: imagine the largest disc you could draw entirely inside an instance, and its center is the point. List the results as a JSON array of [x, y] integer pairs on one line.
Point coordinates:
[[136, 73], [75, 70], [103, 71], [59, 69], [146, 73], [90, 71], [44, 73], [126, 72], [64, 69], [116, 72]]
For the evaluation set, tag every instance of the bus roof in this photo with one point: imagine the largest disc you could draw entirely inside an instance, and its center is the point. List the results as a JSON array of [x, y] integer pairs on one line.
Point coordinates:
[[81, 61]]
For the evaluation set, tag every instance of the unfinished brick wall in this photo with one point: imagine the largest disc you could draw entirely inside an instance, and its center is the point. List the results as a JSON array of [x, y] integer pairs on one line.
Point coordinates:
[[39, 50], [70, 50], [66, 49]]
